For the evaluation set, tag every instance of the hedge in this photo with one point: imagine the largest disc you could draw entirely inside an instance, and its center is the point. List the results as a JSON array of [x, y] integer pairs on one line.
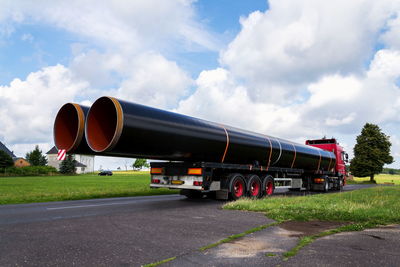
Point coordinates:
[[29, 171]]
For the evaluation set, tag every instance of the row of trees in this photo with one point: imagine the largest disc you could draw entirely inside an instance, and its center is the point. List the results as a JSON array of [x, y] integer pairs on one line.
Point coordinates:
[[67, 166]]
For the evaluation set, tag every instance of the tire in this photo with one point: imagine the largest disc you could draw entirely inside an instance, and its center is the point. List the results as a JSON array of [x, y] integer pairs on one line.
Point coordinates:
[[237, 186], [326, 184], [339, 186], [254, 186], [268, 186]]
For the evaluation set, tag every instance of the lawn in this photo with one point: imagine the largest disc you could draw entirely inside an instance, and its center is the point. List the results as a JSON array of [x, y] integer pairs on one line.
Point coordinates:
[[380, 179], [362, 209], [56, 188], [377, 205]]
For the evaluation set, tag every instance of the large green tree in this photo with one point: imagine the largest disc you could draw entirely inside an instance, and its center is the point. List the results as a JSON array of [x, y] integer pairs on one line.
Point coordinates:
[[140, 164], [5, 160], [371, 152], [67, 166], [36, 157]]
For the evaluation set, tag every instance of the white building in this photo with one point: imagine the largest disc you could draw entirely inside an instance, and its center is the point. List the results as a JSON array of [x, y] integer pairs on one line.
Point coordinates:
[[84, 163]]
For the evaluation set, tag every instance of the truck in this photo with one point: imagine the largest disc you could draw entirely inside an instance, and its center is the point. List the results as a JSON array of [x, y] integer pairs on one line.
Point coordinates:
[[233, 181], [199, 157]]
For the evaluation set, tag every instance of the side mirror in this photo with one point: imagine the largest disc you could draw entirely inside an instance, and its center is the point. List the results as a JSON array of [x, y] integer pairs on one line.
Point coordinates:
[[346, 156]]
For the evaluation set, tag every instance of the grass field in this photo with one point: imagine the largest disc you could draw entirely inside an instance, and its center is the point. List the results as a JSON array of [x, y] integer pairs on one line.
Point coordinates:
[[377, 205], [380, 179], [362, 209], [56, 188]]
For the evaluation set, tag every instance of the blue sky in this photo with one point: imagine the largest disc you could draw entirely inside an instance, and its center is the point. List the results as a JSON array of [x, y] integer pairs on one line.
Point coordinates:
[[288, 69]]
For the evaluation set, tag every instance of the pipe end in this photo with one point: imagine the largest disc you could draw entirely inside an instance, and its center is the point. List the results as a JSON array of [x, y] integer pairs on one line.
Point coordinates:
[[104, 124]]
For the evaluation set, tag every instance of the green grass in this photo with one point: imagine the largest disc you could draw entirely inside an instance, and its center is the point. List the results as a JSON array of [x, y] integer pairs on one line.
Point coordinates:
[[304, 241], [236, 236], [365, 208], [159, 262], [380, 179], [379, 205], [15, 190]]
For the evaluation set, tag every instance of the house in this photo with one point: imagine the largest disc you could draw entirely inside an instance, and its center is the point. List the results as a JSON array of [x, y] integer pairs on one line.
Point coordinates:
[[21, 162], [18, 161], [84, 163]]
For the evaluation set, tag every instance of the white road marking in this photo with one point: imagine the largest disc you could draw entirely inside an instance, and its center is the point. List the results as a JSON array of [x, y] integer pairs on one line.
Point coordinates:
[[87, 206], [111, 204]]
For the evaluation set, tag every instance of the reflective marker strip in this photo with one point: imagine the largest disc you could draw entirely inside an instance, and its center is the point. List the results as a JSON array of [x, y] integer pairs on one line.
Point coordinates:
[[294, 158], [280, 152], [227, 144], [61, 154]]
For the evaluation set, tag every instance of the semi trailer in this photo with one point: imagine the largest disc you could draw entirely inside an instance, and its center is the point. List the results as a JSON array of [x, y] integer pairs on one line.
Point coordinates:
[[200, 157], [233, 181]]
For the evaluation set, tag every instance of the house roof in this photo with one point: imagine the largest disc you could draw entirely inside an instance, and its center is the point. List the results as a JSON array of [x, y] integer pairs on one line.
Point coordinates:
[[78, 164], [53, 150], [5, 149]]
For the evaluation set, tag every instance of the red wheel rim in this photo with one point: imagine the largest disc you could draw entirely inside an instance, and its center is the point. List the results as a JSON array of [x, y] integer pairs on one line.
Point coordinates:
[[254, 188], [239, 188], [269, 188]]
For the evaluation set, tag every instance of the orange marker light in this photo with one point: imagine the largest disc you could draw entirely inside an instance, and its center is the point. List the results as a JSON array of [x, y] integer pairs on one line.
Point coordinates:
[[156, 170], [195, 171]]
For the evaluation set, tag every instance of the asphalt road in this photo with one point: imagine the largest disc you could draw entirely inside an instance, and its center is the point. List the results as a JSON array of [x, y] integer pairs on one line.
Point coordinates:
[[117, 231]]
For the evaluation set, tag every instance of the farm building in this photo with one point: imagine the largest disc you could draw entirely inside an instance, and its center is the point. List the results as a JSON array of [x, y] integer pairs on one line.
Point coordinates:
[[84, 163], [18, 161]]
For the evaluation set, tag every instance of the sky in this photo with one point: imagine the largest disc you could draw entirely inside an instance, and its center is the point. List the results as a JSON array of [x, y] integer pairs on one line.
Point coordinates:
[[296, 70]]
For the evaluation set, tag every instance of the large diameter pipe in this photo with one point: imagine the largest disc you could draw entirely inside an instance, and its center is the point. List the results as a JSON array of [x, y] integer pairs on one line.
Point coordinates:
[[119, 128], [69, 129]]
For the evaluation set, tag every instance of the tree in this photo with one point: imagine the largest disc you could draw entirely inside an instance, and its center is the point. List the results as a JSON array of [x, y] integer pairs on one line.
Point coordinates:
[[36, 158], [67, 166], [5, 160], [371, 152], [140, 163]]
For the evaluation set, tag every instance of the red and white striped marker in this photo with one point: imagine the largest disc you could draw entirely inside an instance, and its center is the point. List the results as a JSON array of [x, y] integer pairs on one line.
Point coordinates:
[[61, 154]]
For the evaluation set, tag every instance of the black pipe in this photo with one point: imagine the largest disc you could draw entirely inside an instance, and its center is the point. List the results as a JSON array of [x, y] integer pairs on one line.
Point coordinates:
[[69, 129], [123, 129]]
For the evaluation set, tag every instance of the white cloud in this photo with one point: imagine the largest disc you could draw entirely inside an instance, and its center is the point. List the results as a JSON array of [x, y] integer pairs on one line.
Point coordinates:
[[28, 107], [395, 150], [27, 37], [391, 36], [128, 25], [295, 43], [300, 70], [219, 98], [154, 81]]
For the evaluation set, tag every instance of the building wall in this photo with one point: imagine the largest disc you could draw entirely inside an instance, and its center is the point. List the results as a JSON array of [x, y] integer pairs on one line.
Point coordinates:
[[84, 159], [52, 161], [88, 161]]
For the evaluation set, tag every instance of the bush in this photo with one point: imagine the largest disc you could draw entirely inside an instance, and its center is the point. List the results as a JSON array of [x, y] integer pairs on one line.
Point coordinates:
[[5, 160], [30, 171]]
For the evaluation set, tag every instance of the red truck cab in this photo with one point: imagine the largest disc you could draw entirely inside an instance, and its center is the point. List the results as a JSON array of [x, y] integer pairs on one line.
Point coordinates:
[[332, 145]]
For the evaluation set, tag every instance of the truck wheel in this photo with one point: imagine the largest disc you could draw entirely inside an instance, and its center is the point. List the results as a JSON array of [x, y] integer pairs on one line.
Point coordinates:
[[254, 186], [237, 186], [339, 185], [268, 185], [326, 185]]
